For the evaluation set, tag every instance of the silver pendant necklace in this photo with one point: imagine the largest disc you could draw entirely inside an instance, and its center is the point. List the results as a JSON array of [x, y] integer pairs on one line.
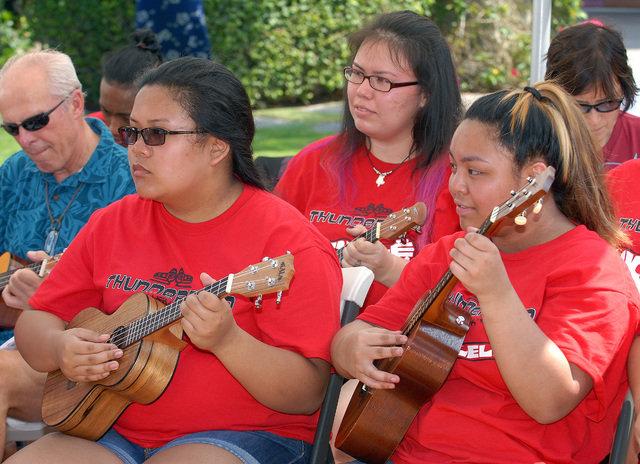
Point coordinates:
[[382, 175]]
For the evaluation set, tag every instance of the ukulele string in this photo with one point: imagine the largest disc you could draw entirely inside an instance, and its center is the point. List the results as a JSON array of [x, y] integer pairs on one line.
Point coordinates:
[[420, 311], [5, 276], [149, 323]]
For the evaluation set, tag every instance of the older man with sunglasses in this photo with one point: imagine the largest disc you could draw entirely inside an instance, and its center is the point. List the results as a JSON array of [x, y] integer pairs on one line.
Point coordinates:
[[69, 166]]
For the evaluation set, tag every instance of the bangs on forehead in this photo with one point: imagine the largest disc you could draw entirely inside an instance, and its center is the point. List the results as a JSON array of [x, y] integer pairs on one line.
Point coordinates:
[[392, 45]]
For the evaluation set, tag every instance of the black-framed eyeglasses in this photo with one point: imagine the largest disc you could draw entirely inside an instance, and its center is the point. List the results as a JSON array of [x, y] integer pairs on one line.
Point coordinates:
[[33, 123], [604, 107], [152, 136], [381, 84]]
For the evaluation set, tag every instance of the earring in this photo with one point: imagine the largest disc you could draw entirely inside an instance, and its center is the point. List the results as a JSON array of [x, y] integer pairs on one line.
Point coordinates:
[[521, 218], [538, 206]]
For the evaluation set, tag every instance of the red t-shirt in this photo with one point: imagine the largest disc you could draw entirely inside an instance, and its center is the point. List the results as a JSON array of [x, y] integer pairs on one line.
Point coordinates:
[[582, 297], [624, 188], [135, 245], [624, 143], [308, 187]]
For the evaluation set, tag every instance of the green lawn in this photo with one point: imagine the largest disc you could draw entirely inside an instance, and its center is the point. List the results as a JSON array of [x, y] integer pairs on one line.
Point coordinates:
[[279, 132]]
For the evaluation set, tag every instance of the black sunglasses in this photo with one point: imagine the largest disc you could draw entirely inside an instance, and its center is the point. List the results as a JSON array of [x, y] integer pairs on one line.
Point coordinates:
[[604, 107], [33, 123], [152, 136]]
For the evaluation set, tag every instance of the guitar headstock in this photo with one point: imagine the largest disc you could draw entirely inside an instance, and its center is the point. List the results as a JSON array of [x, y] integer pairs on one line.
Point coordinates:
[[401, 221], [526, 196], [268, 276]]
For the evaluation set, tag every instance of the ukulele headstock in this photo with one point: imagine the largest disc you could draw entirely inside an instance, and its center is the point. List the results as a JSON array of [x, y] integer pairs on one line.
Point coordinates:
[[401, 221], [268, 276], [535, 189]]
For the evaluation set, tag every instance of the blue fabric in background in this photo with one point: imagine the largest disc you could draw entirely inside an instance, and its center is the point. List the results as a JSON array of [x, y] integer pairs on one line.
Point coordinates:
[[179, 26]]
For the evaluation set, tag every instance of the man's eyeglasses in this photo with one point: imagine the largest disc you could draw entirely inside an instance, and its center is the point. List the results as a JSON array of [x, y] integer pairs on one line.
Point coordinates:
[[380, 84], [33, 123], [152, 136], [604, 107]]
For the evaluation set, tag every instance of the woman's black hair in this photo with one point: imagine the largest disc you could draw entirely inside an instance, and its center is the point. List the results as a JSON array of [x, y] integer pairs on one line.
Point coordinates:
[[543, 123], [127, 63], [217, 102]]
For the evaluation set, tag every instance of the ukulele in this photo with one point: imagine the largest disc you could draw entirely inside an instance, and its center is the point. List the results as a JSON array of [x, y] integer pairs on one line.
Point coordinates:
[[394, 225], [10, 264], [376, 420], [151, 338]]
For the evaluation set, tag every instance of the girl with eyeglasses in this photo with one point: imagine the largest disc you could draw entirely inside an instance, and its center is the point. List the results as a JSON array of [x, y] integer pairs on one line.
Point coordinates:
[[550, 307], [589, 61], [247, 386], [401, 107]]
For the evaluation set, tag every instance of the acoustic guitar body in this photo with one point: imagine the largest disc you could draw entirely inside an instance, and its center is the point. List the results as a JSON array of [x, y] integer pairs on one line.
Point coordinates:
[[89, 409], [376, 420]]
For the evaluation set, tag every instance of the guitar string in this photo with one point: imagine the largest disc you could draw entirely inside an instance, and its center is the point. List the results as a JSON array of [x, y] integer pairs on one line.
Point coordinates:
[[153, 321], [5, 276], [421, 310], [370, 234], [158, 319]]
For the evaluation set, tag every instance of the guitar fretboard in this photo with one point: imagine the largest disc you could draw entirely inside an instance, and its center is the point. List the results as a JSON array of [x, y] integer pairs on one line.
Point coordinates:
[[448, 278], [371, 235], [5, 276], [140, 328]]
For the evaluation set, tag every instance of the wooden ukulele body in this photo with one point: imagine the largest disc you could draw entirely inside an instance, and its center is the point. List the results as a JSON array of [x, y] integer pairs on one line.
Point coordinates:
[[376, 420], [89, 409]]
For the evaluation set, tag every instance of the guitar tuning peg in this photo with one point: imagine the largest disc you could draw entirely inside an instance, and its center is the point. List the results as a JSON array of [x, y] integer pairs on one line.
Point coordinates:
[[258, 302], [279, 297], [538, 206], [521, 219]]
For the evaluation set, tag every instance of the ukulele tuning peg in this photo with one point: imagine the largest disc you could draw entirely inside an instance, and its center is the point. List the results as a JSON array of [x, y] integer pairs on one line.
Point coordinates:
[[279, 297], [537, 207], [521, 219], [258, 302]]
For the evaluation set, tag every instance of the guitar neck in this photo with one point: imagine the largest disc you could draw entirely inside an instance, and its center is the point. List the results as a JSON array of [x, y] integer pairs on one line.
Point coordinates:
[[435, 298], [5, 276], [371, 235], [137, 330]]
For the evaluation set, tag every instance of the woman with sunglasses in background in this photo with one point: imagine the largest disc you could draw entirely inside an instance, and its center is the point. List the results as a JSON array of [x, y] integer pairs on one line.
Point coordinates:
[[252, 376], [401, 107], [589, 61]]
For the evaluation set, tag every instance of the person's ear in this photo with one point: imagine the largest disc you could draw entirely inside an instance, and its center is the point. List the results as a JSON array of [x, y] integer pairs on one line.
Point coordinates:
[[219, 150]]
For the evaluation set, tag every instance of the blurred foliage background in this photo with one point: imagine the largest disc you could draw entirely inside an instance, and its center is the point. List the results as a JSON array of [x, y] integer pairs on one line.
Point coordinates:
[[288, 52]]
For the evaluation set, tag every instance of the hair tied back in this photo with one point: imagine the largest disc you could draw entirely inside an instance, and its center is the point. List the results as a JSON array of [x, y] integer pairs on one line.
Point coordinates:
[[535, 92]]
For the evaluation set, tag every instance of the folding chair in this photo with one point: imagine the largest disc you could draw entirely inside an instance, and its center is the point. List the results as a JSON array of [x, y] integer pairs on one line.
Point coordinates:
[[356, 283], [623, 431], [23, 432]]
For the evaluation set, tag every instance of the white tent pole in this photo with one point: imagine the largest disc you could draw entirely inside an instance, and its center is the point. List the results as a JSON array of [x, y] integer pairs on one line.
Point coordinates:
[[540, 38]]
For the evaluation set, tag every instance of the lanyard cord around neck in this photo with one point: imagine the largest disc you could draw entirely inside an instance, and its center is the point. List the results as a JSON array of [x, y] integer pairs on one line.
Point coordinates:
[[57, 222]]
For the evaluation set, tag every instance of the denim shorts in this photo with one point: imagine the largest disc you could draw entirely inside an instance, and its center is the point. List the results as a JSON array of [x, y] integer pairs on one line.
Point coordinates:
[[251, 447]]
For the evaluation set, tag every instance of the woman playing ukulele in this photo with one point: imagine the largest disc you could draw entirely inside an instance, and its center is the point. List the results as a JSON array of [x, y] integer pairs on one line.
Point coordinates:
[[541, 374], [247, 386]]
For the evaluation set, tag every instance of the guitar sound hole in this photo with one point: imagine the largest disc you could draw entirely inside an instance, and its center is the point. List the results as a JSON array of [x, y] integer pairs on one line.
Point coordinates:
[[118, 337]]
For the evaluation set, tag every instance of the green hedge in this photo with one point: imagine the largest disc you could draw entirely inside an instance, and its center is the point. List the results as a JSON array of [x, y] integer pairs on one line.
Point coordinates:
[[290, 51]]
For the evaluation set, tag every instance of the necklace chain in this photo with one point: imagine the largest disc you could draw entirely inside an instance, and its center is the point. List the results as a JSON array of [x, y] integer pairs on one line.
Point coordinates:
[[52, 236], [382, 175]]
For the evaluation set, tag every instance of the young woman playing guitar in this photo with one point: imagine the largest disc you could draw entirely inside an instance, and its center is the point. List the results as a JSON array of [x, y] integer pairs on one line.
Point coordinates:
[[540, 376]]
